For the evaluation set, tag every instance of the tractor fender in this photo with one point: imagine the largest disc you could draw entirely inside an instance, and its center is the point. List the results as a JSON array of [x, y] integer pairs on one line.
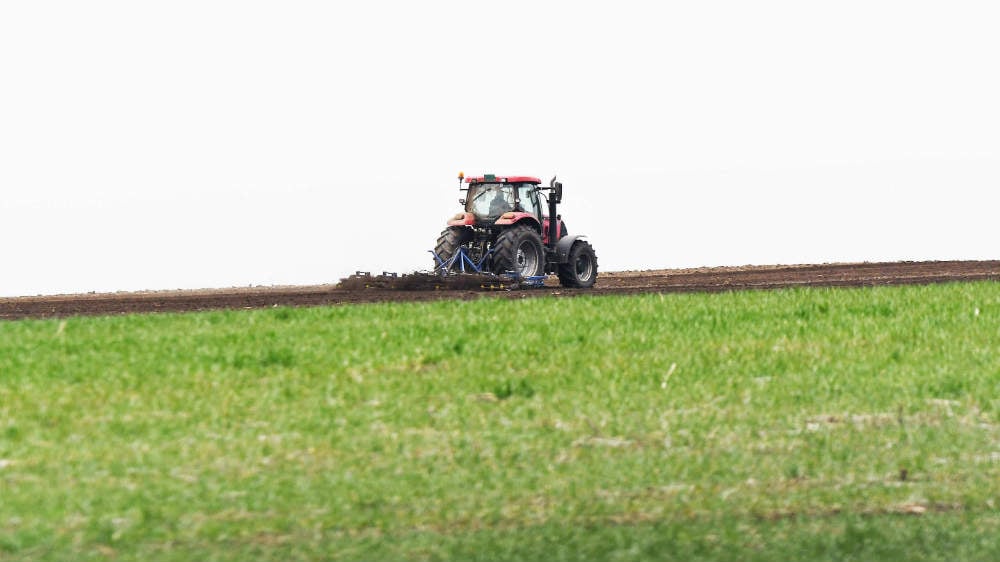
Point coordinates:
[[564, 245], [511, 218]]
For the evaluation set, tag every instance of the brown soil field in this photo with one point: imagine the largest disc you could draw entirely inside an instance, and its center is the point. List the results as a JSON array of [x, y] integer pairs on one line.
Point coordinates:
[[711, 279]]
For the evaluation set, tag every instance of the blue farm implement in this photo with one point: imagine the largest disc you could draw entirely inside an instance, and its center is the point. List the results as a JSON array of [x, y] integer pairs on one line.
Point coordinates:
[[460, 263]]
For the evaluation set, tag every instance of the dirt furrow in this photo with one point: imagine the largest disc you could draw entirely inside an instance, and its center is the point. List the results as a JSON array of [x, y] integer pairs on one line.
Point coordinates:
[[625, 282]]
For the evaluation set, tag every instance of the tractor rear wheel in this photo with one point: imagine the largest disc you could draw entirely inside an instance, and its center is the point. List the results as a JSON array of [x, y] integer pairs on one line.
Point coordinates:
[[448, 243], [519, 249], [581, 270]]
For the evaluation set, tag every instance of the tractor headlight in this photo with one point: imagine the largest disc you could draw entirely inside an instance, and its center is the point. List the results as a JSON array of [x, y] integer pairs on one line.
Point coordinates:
[[507, 215]]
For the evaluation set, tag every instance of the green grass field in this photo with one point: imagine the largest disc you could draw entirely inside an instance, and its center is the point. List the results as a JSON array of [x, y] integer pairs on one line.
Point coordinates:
[[819, 424]]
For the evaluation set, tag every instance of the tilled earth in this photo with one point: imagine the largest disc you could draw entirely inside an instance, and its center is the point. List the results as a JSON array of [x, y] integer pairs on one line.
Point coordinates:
[[623, 282]]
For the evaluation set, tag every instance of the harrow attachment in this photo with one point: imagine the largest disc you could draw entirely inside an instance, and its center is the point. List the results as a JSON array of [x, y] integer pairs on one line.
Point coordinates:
[[467, 266], [459, 272]]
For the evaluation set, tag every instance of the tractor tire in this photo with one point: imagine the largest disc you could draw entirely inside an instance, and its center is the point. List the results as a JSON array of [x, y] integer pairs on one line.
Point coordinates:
[[519, 249], [580, 272], [448, 243]]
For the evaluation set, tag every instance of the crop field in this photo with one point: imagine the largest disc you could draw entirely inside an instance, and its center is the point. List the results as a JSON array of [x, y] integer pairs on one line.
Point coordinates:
[[802, 423]]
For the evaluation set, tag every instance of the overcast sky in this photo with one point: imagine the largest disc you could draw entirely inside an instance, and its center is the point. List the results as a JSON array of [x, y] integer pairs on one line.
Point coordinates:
[[212, 144]]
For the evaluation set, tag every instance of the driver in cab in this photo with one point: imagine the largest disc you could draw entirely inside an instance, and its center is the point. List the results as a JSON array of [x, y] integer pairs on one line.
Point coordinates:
[[499, 205]]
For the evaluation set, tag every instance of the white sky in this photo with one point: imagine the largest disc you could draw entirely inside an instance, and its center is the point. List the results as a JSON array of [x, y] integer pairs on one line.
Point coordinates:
[[211, 144]]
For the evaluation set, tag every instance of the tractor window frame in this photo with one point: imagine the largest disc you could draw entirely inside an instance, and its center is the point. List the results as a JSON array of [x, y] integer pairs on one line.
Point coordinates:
[[529, 192]]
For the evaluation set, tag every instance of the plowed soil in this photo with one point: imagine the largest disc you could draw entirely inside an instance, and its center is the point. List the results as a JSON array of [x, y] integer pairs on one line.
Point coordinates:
[[623, 282]]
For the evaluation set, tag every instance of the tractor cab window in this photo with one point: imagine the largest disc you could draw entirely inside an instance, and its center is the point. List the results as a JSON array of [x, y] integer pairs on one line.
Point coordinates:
[[529, 199], [490, 200]]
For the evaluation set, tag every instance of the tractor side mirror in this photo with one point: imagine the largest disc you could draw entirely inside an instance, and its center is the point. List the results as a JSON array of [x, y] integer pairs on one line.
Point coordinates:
[[558, 191]]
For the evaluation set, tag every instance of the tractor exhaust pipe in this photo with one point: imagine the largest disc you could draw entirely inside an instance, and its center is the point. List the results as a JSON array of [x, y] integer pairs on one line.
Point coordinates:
[[555, 197]]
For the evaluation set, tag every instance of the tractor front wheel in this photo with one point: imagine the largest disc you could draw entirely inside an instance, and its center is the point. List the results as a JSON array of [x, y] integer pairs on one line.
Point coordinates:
[[581, 270], [519, 249], [448, 243]]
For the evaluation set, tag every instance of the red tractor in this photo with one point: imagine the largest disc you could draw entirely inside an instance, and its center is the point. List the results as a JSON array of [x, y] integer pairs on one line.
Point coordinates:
[[505, 230]]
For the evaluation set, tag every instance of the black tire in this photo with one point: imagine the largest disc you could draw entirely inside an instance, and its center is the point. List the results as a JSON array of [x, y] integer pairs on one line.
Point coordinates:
[[580, 272], [519, 249], [449, 241]]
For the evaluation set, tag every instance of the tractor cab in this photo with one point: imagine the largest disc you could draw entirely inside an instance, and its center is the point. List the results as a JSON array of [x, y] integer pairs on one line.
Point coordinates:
[[489, 197]]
